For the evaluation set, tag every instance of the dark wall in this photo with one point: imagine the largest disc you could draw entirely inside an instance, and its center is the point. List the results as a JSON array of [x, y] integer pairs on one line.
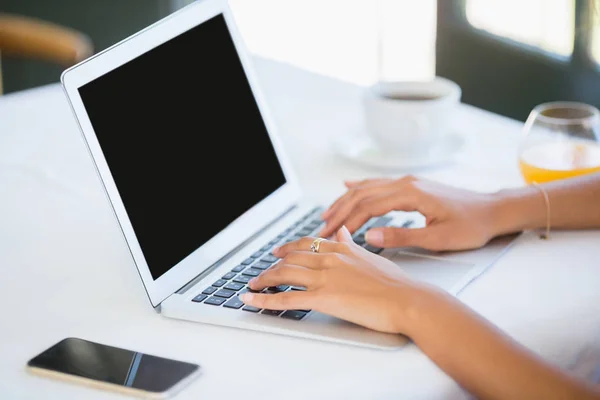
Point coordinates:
[[510, 78], [105, 21]]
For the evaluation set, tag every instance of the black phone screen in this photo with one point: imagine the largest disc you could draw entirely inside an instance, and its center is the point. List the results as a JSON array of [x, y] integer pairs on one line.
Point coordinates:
[[114, 365]]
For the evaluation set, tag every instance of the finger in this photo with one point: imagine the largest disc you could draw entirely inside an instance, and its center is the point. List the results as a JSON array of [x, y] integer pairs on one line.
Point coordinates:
[[344, 235], [351, 184], [346, 207], [292, 300], [325, 246], [430, 238], [362, 185], [284, 274], [402, 200], [311, 260]]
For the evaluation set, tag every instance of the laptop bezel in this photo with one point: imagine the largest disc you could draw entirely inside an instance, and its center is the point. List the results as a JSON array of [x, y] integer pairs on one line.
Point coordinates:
[[245, 225]]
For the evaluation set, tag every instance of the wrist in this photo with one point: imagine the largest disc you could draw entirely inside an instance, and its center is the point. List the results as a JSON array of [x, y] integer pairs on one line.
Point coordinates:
[[515, 210], [414, 308]]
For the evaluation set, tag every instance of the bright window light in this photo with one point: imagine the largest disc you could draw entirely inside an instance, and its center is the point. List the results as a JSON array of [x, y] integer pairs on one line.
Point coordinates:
[[546, 24], [358, 41]]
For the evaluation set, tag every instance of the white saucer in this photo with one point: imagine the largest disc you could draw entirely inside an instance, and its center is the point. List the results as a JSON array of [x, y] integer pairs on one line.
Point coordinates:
[[358, 147]]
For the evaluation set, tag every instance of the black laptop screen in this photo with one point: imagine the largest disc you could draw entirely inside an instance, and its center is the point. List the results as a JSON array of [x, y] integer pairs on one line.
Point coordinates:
[[184, 140]]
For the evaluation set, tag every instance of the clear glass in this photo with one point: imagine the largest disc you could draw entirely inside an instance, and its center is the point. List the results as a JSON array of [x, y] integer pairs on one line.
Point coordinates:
[[560, 140]]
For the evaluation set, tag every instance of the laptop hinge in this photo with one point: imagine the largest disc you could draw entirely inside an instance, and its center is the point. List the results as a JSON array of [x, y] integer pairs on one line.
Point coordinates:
[[227, 256]]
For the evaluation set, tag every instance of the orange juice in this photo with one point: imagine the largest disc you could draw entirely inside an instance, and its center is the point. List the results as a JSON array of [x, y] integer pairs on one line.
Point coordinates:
[[559, 160]]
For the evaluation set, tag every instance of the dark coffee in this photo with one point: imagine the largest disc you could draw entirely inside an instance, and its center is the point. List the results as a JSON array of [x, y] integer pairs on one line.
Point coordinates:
[[411, 96]]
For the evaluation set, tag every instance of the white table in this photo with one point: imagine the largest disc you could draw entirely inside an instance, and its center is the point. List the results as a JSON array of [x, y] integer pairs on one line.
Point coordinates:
[[66, 272]]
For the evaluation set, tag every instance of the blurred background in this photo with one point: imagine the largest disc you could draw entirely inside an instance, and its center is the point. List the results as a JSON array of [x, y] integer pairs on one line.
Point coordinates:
[[507, 55]]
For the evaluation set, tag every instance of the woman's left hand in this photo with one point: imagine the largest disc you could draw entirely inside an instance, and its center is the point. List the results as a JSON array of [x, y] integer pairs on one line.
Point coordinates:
[[343, 280]]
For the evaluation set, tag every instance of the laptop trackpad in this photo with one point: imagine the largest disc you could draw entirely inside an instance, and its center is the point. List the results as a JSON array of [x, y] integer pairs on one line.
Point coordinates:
[[442, 273]]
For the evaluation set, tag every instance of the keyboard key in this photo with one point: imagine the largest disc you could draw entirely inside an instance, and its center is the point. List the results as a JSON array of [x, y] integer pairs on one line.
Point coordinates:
[[317, 221], [248, 261], [313, 225], [219, 283], [304, 232], [234, 303], [214, 301], [359, 239], [229, 275], [257, 254], [239, 268], [233, 286], [225, 293], [383, 221], [408, 223], [372, 249], [209, 290], [271, 312], [265, 247], [301, 288], [270, 258], [199, 298], [261, 265], [251, 272], [272, 242], [251, 309], [277, 289], [286, 232], [292, 314], [242, 279], [247, 289]]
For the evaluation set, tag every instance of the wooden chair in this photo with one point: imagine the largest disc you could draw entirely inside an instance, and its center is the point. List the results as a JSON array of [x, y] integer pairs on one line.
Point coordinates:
[[40, 40]]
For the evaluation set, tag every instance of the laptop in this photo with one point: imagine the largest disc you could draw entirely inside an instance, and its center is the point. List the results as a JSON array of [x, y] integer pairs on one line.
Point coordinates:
[[200, 185]]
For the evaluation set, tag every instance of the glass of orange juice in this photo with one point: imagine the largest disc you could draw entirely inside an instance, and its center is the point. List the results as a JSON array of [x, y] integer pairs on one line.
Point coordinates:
[[561, 140]]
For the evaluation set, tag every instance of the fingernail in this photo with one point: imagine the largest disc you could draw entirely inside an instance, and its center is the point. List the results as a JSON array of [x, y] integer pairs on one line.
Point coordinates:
[[247, 297], [276, 249], [346, 233], [374, 237], [325, 214], [252, 281]]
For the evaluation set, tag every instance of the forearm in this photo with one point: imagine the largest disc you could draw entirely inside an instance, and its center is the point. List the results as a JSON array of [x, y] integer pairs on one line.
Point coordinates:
[[482, 359], [574, 204]]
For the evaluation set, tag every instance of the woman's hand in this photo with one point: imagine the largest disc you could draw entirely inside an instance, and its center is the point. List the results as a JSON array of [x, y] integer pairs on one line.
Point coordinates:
[[457, 219], [343, 280]]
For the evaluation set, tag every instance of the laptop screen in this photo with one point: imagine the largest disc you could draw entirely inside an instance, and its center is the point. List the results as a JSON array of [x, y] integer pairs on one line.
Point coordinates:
[[184, 140]]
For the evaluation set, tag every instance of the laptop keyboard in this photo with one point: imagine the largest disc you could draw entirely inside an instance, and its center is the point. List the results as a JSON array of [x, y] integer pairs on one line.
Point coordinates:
[[224, 292]]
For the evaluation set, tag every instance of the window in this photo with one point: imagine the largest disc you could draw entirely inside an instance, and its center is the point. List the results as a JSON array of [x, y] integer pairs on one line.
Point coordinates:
[[548, 25], [595, 43], [358, 41]]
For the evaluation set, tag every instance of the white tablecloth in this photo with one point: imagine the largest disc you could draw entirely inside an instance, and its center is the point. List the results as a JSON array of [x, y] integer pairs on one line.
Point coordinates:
[[66, 270]]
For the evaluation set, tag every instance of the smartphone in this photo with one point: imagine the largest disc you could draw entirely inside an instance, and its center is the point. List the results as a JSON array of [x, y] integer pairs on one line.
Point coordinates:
[[112, 368]]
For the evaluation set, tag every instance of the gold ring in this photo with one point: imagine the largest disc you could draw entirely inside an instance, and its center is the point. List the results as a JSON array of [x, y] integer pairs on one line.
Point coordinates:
[[316, 244]]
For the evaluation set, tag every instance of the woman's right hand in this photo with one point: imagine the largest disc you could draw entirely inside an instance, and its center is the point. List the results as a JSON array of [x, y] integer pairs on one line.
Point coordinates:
[[456, 219], [343, 280]]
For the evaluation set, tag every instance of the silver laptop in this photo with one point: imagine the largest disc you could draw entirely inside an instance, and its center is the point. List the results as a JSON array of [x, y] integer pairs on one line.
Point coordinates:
[[193, 168]]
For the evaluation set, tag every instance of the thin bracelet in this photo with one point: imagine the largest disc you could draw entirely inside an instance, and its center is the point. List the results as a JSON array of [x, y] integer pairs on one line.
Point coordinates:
[[547, 201]]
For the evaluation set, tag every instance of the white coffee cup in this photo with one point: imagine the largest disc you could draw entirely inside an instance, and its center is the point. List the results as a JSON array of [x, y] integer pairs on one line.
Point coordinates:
[[410, 117]]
